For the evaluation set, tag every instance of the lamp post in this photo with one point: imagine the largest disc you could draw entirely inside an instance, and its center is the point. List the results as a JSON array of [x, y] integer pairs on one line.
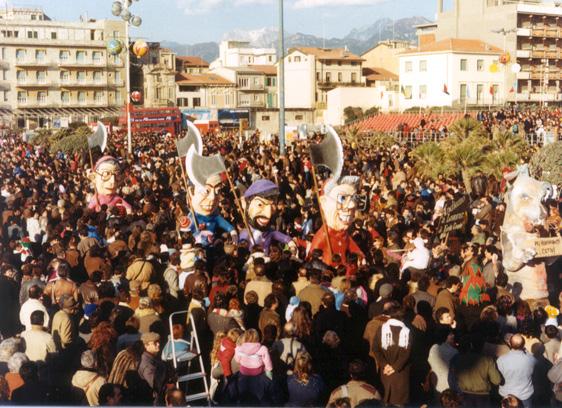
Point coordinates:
[[505, 32], [121, 8], [281, 81]]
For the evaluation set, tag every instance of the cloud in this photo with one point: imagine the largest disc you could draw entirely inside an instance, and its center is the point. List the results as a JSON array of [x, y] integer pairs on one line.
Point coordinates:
[[206, 6], [300, 4]]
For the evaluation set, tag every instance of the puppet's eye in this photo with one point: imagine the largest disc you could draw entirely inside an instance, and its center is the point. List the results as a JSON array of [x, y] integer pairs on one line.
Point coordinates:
[[524, 197]]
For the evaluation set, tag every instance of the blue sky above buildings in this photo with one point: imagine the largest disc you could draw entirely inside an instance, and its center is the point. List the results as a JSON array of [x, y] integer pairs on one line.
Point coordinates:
[[192, 21]]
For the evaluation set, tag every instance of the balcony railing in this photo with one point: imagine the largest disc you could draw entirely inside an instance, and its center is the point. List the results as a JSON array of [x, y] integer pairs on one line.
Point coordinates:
[[34, 62], [334, 84], [251, 87], [35, 83], [82, 63], [545, 32]]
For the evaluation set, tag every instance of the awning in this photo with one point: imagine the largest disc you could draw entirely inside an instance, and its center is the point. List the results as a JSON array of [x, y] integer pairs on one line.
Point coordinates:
[[38, 112]]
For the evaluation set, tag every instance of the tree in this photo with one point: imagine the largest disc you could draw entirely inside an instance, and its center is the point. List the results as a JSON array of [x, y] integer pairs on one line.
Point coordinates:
[[506, 151], [466, 127], [352, 114], [546, 164], [429, 160]]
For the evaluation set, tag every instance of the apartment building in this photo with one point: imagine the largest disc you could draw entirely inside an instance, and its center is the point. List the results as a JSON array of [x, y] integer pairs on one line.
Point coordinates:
[[311, 72], [54, 72], [451, 72], [256, 86], [529, 30], [209, 91], [191, 65], [385, 55], [241, 53]]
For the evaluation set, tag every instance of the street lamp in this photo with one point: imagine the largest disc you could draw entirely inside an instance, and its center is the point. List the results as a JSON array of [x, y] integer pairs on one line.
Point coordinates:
[[505, 32], [281, 81], [121, 8]]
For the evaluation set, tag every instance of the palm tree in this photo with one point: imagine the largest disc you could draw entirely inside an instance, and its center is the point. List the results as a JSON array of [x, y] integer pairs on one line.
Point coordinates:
[[429, 160], [506, 149], [465, 156], [466, 127]]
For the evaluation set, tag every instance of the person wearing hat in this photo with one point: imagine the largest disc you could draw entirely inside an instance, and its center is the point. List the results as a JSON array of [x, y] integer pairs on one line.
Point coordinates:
[[105, 176], [64, 328], [260, 206], [151, 368]]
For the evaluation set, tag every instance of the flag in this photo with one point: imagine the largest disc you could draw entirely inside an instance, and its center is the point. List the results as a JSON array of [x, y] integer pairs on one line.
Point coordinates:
[[98, 138], [382, 94], [492, 90], [512, 90], [402, 90], [467, 92], [445, 89]]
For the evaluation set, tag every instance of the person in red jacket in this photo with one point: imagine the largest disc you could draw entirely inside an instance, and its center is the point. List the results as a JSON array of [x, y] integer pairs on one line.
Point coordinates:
[[225, 353]]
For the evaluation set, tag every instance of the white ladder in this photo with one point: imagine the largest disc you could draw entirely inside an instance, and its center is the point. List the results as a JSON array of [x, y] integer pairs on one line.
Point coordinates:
[[193, 340]]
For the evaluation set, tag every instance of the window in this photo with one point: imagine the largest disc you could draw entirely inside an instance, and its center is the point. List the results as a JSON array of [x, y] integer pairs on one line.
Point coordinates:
[[33, 17], [42, 97], [340, 77], [318, 76], [21, 76], [42, 77], [298, 58], [463, 93], [243, 82], [464, 64], [116, 34], [328, 76], [118, 76], [408, 66], [98, 77], [496, 89], [353, 77], [22, 97], [408, 92], [32, 34], [64, 76], [299, 117], [64, 55], [97, 56], [81, 76], [20, 55], [118, 97], [270, 81], [98, 97], [423, 66], [80, 56], [196, 102], [92, 35], [81, 97], [480, 65], [423, 91], [40, 55], [65, 97], [479, 91], [53, 35], [265, 118]]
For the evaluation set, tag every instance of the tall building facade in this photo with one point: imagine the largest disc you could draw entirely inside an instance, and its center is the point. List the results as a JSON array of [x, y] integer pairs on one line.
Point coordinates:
[[529, 30], [53, 73]]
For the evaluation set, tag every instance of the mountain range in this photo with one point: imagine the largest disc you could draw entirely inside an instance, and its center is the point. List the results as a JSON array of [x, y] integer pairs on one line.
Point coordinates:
[[357, 41]]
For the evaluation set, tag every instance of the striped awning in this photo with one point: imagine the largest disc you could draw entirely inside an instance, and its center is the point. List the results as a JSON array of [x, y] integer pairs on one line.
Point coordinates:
[[48, 112]]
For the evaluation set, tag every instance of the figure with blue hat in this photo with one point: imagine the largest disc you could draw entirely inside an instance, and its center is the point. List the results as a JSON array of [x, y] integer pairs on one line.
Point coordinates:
[[259, 203]]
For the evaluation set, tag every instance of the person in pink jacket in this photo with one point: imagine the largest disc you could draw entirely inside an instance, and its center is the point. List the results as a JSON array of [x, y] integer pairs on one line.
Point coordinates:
[[253, 357]]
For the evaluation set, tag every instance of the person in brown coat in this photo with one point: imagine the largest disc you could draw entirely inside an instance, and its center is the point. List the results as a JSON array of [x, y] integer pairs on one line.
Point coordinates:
[[392, 348], [269, 315], [313, 293], [445, 298]]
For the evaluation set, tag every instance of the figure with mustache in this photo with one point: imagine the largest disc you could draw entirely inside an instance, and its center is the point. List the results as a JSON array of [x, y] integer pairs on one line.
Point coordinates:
[[339, 204], [260, 206], [205, 200], [105, 177]]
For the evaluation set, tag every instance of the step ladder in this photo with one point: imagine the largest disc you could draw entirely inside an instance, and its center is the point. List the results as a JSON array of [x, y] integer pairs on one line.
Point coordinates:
[[196, 349]]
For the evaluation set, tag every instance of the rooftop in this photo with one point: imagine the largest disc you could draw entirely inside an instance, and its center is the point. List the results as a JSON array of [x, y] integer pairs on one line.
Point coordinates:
[[378, 74], [264, 69], [192, 61], [328, 53], [202, 79], [457, 45]]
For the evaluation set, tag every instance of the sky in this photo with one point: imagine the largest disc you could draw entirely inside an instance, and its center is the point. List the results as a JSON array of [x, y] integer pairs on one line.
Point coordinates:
[[193, 21]]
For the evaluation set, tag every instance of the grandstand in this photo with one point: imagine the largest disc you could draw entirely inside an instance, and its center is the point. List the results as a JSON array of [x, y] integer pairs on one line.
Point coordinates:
[[394, 121]]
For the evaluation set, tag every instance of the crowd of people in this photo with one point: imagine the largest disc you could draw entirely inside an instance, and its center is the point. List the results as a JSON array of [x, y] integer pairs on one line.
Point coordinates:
[[86, 293]]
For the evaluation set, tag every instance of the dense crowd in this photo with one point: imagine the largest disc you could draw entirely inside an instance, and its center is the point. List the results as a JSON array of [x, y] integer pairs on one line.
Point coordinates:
[[85, 296]]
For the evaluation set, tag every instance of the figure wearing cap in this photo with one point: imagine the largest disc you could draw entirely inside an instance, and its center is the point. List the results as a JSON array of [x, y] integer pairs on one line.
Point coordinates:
[[204, 197], [105, 177], [260, 206]]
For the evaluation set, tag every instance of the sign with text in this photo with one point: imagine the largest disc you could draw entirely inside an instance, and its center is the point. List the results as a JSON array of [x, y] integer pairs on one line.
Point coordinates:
[[454, 216], [547, 247]]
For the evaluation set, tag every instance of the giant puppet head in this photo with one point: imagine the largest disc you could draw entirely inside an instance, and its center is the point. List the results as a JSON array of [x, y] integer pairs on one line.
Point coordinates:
[[340, 200], [205, 174], [260, 204], [105, 176]]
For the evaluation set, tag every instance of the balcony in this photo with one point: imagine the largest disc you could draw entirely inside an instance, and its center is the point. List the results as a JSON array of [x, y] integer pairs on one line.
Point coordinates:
[[83, 84], [26, 103], [34, 83], [539, 97], [330, 84], [523, 54], [252, 88], [546, 53], [545, 32], [524, 32], [34, 63], [251, 104], [524, 75], [81, 64]]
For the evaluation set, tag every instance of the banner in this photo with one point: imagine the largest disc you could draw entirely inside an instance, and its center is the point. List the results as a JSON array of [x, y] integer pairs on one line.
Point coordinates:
[[455, 216], [547, 247]]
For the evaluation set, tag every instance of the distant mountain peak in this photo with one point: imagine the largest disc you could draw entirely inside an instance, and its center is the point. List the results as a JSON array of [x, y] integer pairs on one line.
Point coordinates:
[[357, 41]]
